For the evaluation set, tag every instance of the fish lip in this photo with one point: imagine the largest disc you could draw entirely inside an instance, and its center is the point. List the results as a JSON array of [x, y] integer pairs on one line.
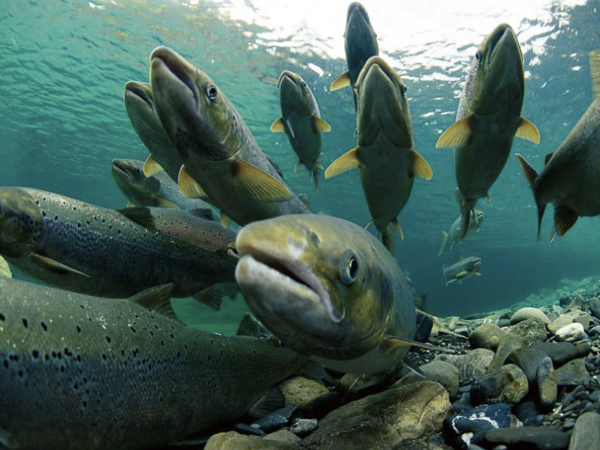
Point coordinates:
[[170, 60], [119, 170], [286, 76], [296, 272], [504, 32], [132, 89], [357, 8]]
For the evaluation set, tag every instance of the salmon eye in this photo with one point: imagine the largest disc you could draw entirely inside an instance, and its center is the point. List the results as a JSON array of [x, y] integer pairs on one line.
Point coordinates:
[[211, 92], [349, 269], [403, 89]]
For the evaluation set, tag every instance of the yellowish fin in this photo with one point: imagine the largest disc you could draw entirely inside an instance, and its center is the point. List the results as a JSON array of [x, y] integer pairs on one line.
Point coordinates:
[[342, 81], [224, 220], [320, 125], [564, 219], [162, 203], [595, 71], [257, 184], [151, 166], [188, 186], [130, 204], [157, 298], [398, 229], [368, 225], [461, 275], [55, 266], [298, 165], [457, 135], [489, 199], [209, 297], [528, 131], [278, 126], [344, 163], [420, 167], [393, 341]]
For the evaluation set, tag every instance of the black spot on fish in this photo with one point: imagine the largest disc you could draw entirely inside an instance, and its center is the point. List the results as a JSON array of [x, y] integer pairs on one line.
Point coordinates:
[[78, 328], [108, 339], [5, 363], [44, 326], [35, 354], [20, 374], [2, 317], [132, 329], [25, 323]]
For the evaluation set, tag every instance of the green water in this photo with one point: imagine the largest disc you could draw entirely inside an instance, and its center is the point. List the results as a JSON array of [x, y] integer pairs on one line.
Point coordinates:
[[64, 64]]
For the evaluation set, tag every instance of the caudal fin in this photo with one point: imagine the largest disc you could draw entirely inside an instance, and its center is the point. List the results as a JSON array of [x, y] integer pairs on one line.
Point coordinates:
[[388, 238], [444, 243], [531, 175], [465, 215]]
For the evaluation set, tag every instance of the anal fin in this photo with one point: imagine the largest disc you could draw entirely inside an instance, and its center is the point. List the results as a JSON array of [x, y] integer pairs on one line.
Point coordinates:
[[564, 218], [157, 298], [210, 297], [341, 82]]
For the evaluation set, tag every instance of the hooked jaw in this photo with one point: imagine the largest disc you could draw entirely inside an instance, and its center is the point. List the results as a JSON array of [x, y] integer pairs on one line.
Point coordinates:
[[138, 94]]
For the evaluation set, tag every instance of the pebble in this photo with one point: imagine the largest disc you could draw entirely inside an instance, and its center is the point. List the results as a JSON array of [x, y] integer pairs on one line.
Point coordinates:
[[595, 331], [303, 427], [487, 335], [546, 383], [571, 333], [562, 352], [508, 384], [528, 360], [233, 440], [324, 404], [527, 313], [249, 429], [506, 346], [572, 373], [532, 330], [285, 436], [443, 372], [559, 322], [470, 427], [300, 391], [275, 420], [531, 438], [594, 306], [471, 365]]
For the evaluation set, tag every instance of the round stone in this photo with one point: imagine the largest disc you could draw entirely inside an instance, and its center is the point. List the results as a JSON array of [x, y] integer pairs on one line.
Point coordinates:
[[527, 313]]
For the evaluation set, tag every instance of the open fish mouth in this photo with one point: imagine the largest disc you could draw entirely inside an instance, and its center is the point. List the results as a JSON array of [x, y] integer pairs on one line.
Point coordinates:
[[170, 63], [133, 89], [286, 77], [118, 169]]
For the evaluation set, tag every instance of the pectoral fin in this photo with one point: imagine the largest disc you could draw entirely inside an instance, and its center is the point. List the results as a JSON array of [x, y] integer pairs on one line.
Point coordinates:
[[271, 401], [344, 163], [595, 71], [342, 81], [420, 167], [528, 131], [564, 218], [462, 274], [257, 184], [398, 229], [162, 203], [55, 266], [368, 225], [394, 341], [157, 298], [209, 297], [151, 166], [457, 135], [224, 220], [320, 125], [278, 126], [188, 186], [298, 165]]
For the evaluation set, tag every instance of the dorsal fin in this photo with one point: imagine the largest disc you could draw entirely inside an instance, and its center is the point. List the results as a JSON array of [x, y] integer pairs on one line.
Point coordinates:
[[157, 298]]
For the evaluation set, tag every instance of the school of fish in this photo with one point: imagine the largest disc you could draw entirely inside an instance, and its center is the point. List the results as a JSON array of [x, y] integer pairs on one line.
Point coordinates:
[[99, 360]]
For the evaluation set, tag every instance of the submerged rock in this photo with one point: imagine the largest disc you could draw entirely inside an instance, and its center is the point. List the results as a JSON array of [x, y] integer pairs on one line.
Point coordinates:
[[487, 335], [443, 372], [573, 373], [300, 391], [528, 360], [531, 438], [506, 346], [546, 383], [595, 307], [508, 384], [471, 365], [562, 352], [532, 330], [586, 434], [380, 421], [233, 440], [527, 313], [414, 444], [571, 333]]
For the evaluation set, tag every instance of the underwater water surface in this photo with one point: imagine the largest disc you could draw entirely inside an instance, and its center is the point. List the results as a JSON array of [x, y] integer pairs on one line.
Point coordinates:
[[64, 64]]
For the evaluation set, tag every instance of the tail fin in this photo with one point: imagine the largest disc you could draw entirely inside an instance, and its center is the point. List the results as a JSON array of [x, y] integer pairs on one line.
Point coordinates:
[[444, 242], [316, 174], [531, 175], [465, 215]]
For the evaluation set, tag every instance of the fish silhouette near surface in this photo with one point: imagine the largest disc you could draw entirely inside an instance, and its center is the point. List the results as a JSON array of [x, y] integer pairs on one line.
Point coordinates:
[[81, 372], [488, 119], [454, 234], [570, 178]]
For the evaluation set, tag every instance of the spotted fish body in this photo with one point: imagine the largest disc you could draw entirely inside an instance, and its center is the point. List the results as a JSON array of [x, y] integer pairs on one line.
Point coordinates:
[[156, 190], [222, 160], [92, 250], [80, 372]]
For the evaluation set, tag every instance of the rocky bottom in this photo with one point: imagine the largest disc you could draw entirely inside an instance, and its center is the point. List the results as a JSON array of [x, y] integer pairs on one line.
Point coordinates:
[[521, 378]]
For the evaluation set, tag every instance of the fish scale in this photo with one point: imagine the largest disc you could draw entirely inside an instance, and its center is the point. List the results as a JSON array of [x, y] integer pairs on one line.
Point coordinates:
[[85, 372], [119, 256]]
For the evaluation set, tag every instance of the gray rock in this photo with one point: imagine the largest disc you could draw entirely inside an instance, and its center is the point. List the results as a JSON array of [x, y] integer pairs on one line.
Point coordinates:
[[381, 421], [562, 352], [586, 434], [273, 421], [285, 436], [471, 365], [443, 372], [573, 373], [414, 444], [506, 346], [303, 427], [532, 330], [595, 307], [571, 333], [546, 383], [300, 391], [528, 361], [233, 440], [487, 335], [559, 322], [531, 438], [508, 384], [595, 331], [527, 313], [584, 320]]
